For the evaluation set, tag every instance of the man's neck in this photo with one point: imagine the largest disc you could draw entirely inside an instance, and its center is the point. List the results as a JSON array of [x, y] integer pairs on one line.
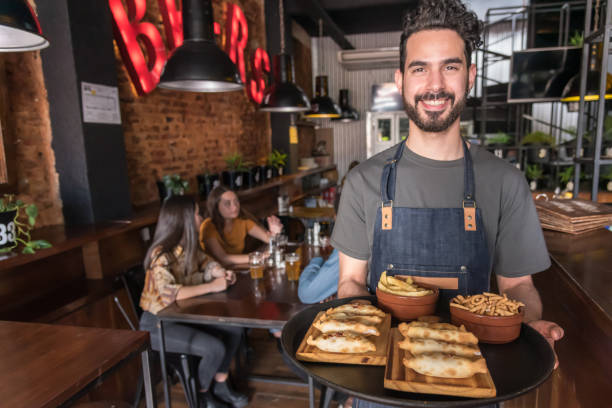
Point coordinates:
[[444, 146]]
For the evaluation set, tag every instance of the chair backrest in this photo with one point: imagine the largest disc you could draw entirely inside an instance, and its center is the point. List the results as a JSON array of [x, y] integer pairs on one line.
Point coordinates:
[[133, 281]]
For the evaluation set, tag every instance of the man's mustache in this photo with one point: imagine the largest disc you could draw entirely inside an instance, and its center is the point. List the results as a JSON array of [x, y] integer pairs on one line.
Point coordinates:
[[433, 96]]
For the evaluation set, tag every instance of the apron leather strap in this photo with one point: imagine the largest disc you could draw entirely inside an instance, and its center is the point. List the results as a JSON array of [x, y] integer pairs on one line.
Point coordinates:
[[388, 180]]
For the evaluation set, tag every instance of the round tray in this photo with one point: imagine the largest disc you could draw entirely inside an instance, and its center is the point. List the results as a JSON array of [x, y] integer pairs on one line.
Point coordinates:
[[515, 367]]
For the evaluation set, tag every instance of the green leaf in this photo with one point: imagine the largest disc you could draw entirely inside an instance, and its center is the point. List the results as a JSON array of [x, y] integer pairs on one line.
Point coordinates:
[[28, 250], [41, 244], [32, 211], [5, 250]]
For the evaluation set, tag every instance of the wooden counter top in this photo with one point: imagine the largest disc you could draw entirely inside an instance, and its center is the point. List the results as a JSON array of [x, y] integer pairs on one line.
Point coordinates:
[[587, 261]]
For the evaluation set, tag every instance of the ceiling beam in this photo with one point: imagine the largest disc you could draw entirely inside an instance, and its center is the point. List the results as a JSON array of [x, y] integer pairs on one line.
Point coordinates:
[[314, 11]]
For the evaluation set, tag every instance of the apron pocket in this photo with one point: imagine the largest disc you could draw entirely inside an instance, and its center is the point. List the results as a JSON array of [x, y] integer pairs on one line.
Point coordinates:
[[443, 276]]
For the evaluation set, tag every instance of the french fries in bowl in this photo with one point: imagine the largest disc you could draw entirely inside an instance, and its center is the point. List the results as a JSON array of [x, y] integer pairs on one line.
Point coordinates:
[[491, 317], [405, 299]]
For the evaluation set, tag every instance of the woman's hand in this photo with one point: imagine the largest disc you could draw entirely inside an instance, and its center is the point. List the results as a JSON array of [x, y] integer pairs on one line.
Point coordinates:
[[218, 285], [218, 271], [230, 277], [275, 226]]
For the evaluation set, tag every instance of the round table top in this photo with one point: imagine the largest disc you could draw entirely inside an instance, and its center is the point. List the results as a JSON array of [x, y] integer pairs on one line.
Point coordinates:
[[516, 367]]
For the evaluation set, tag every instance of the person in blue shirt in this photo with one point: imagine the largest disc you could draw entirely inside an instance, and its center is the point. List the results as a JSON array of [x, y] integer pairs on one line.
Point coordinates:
[[319, 280]]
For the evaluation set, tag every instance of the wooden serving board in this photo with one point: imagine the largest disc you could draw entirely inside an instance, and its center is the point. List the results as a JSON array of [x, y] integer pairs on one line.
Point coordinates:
[[398, 377], [310, 353]]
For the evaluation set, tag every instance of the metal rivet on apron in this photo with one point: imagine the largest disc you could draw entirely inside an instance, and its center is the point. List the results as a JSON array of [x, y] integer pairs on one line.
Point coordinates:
[[390, 266], [386, 216], [463, 268], [470, 217], [470, 225], [386, 225]]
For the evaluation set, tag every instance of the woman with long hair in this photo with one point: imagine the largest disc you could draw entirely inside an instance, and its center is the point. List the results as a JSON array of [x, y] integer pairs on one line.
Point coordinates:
[[223, 234], [177, 269]]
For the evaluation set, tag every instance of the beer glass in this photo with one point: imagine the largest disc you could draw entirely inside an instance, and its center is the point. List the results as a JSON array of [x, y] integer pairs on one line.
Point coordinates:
[[292, 266], [256, 265]]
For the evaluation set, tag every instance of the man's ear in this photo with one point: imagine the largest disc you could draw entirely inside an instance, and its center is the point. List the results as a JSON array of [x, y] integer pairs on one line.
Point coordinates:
[[472, 76], [399, 81]]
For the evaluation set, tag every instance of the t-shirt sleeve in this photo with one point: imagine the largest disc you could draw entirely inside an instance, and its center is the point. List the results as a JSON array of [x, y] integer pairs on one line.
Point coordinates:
[[249, 224], [350, 235], [520, 248]]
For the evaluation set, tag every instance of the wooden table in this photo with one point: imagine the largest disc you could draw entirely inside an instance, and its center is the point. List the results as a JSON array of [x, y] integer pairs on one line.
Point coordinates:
[[264, 303], [50, 365]]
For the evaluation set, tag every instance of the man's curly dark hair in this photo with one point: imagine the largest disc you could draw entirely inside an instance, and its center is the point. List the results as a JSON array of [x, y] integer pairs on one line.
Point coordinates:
[[442, 14]]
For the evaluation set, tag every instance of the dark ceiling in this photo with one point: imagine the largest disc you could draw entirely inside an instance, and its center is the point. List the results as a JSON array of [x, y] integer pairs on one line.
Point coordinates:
[[345, 17]]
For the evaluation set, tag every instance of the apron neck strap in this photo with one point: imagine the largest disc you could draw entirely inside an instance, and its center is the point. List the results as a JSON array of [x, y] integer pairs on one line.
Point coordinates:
[[387, 182]]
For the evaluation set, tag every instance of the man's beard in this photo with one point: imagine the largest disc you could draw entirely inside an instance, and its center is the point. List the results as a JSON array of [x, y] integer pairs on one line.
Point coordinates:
[[432, 122]]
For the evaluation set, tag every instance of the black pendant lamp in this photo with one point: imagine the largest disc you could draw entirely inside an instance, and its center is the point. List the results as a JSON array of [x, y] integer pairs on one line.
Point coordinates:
[[349, 114], [322, 106], [284, 95], [199, 65], [19, 28]]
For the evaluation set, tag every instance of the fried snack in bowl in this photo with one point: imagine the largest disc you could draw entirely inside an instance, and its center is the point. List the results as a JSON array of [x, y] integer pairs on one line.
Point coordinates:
[[406, 307], [493, 318]]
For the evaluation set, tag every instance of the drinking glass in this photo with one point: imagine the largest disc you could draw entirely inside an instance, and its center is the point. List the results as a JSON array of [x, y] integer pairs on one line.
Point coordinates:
[[256, 265], [292, 266]]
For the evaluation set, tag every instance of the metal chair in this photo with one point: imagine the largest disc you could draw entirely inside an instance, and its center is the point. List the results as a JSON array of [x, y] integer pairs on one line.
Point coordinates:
[[181, 365]]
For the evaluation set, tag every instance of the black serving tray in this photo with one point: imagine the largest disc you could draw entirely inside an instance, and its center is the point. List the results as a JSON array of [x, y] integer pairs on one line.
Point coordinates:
[[516, 367]]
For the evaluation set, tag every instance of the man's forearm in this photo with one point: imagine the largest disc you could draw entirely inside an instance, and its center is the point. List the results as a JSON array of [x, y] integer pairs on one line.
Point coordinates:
[[348, 288], [528, 294]]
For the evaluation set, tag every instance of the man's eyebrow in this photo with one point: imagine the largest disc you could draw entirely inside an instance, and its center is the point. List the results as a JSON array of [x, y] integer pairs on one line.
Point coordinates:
[[417, 64], [453, 61]]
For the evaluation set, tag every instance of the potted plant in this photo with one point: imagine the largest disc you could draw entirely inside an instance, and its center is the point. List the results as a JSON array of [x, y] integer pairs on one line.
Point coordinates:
[[276, 163], [606, 179], [565, 179], [540, 143], [206, 182], [171, 184], [497, 144], [14, 230], [233, 177], [534, 173]]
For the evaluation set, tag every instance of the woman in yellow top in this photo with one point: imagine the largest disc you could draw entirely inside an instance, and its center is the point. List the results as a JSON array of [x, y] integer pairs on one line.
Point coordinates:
[[177, 269], [223, 234]]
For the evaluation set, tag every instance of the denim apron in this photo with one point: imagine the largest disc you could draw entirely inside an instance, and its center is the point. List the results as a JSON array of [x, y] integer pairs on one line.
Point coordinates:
[[446, 247]]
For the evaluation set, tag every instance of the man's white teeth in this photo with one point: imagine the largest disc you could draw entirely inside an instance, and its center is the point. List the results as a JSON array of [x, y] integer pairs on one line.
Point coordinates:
[[436, 102]]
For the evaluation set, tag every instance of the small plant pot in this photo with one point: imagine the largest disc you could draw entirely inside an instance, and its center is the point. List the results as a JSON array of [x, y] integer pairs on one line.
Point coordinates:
[[270, 172], [605, 184], [499, 150], [259, 174], [8, 234], [281, 170], [233, 179], [539, 154], [206, 182]]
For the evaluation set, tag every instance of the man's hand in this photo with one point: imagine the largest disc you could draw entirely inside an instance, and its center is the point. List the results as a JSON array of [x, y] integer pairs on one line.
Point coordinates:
[[551, 331]]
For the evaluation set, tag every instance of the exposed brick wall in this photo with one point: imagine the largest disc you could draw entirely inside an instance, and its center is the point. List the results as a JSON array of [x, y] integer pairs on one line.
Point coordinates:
[[189, 133], [27, 134]]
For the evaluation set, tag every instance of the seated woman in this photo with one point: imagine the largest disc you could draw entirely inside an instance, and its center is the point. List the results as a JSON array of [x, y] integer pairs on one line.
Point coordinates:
[[223, 234], [177, 269]]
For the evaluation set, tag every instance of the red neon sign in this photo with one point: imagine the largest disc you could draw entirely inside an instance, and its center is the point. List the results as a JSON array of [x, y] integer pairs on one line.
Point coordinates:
[[236, 36], [260, 63], [130, 32], [145, 69]]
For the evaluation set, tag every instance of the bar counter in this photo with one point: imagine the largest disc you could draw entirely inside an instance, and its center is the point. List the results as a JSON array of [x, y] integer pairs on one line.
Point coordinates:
[[577, 294]]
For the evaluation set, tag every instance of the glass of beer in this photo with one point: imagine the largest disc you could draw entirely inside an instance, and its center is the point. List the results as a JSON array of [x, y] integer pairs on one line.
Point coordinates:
[[292, 266], [256, 265]]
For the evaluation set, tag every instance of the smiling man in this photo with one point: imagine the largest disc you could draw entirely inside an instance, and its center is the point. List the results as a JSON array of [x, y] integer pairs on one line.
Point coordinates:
[[436, 207]]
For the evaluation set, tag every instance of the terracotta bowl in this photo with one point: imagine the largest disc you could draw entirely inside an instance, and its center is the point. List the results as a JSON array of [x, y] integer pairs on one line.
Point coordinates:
[[489, 329], [406, 308]]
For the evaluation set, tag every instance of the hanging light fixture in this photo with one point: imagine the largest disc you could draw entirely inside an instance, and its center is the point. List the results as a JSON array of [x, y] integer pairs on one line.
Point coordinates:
[[19, 27], [284, 95], [199, 65], [322, 106], [349, 114]]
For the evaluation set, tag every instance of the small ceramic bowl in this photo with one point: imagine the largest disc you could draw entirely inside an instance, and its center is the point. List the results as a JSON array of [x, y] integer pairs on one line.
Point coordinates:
[[406, 308], [489, 329]]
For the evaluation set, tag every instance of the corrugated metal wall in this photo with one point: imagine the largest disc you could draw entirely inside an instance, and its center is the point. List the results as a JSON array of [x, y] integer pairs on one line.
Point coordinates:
[[350, 138]]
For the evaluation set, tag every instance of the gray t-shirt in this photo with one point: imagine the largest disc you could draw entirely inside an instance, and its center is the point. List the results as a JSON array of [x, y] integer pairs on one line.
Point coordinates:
[[514, 236]]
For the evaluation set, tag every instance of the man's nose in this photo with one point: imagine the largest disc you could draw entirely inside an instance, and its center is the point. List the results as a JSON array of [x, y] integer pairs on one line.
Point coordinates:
[[435, 81]]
